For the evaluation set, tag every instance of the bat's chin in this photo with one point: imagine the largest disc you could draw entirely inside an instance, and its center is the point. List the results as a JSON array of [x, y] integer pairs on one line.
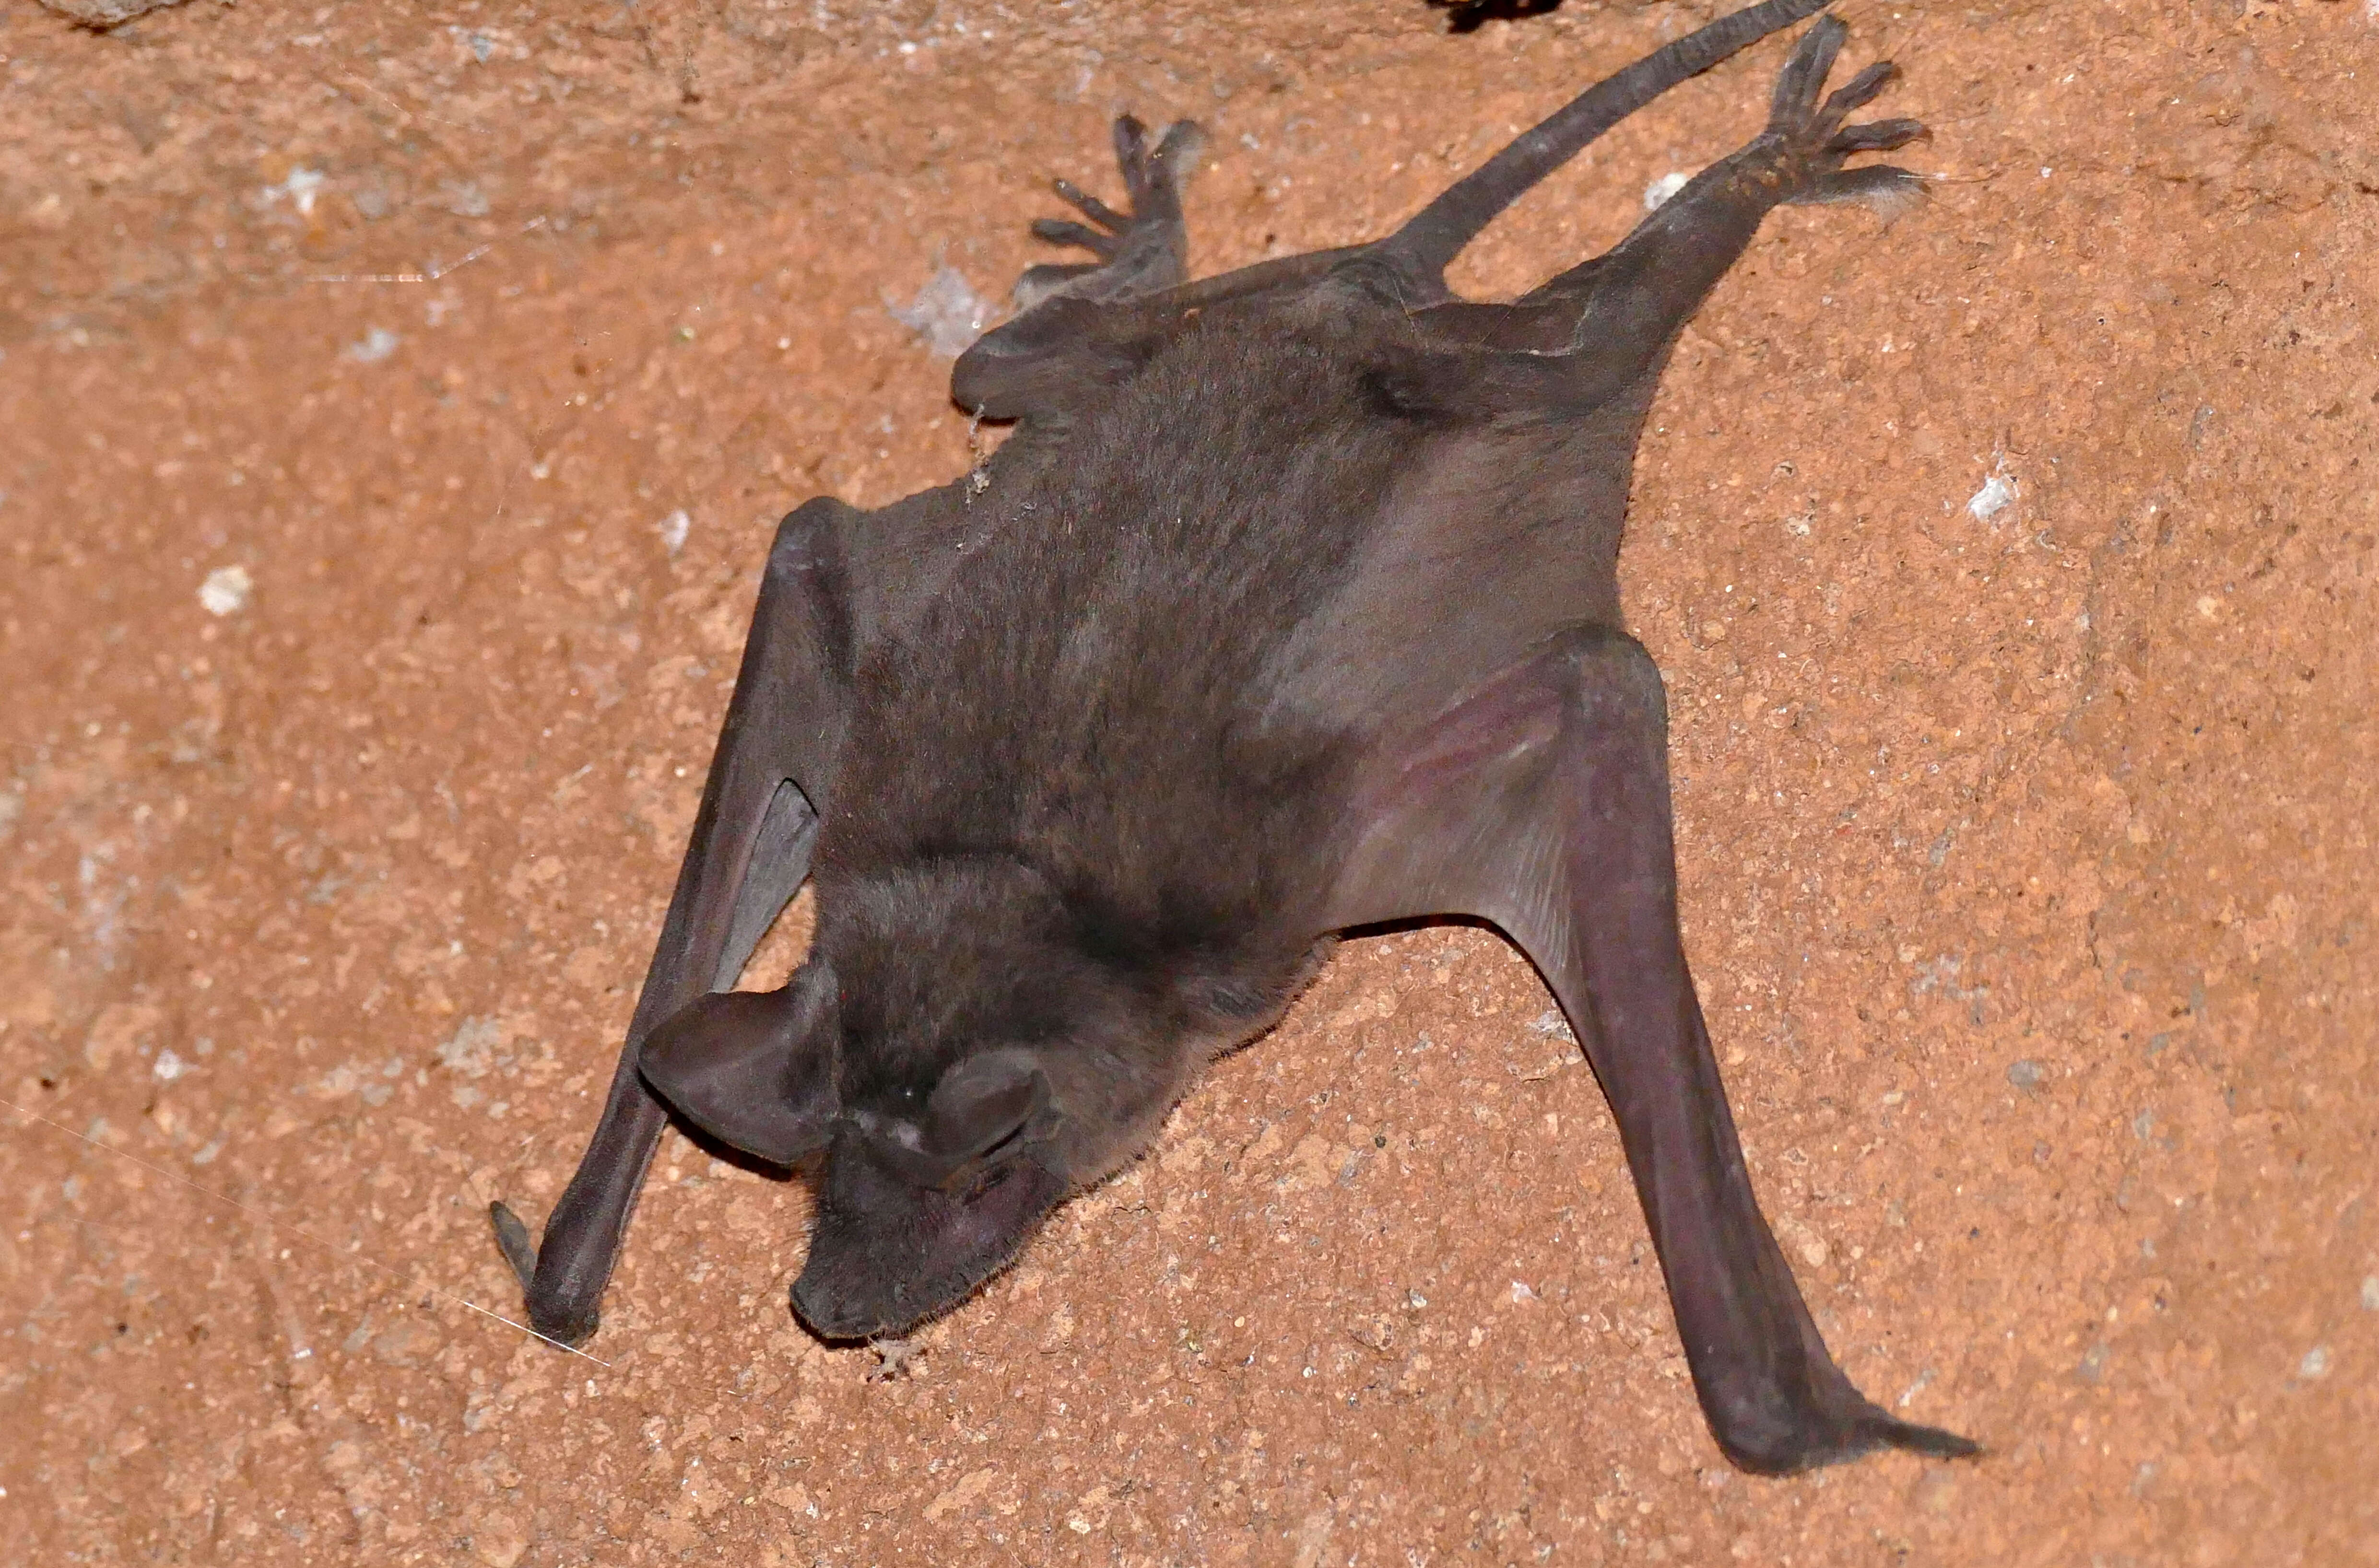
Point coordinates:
[[888, 1255]]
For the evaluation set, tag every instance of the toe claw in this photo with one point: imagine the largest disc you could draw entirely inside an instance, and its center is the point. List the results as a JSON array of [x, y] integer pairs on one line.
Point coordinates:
[[1805, 73], [1132, 154], [1857, 93], [1090, 206], [1889, 190], [1878, 136], [1057, 231]]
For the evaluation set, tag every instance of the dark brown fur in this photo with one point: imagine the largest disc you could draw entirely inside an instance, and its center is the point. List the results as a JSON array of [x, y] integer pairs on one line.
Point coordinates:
[[1291, 605]]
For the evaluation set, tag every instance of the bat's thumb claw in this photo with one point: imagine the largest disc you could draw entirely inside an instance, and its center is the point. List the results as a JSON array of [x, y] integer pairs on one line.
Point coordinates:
[[512, 1240]]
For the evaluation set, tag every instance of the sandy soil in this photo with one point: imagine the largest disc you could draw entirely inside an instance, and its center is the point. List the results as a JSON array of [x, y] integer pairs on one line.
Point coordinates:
[[357, 360]]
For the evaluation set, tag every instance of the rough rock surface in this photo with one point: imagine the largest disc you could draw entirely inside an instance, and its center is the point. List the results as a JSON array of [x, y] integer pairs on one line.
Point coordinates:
[[2026, 826], [106, 13]]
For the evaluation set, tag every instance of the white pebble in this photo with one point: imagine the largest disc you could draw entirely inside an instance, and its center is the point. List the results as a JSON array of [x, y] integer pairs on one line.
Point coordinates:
[[225, 590], [300, 188], [1993, 498], [673, 528], [2315, 1363], [372, 347]]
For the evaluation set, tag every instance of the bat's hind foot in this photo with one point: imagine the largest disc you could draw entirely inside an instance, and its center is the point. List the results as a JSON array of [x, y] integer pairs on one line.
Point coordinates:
[[1811, 141], [1140, 251]]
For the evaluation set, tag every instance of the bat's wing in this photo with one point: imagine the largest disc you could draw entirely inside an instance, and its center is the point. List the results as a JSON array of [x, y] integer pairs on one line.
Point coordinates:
[[750, 850], [1539, 801]]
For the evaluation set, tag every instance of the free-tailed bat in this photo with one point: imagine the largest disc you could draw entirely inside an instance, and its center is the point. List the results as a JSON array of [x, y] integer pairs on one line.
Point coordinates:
[[1290, 606]]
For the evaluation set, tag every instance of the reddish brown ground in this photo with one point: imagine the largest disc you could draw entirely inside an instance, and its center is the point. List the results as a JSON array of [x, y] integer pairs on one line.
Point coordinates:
[[2027, 861]]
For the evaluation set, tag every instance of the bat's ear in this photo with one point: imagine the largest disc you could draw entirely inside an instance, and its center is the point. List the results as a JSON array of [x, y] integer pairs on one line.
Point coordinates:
[[753, 1068], [983, 1103]]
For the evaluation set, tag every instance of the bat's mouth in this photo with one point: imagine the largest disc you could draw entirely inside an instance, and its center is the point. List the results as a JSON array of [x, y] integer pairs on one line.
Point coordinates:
[[889, 1253]]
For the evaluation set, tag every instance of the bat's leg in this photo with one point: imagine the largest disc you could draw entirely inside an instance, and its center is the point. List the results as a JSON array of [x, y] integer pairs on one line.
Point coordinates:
[[1085, 325], [1541, 802], [1079, 326], [1613, 318], [1408, 267], [1643, 292], [749, 852]]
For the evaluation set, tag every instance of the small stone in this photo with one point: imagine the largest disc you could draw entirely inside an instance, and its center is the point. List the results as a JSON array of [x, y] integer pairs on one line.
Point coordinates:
[[225, 590], [300, 190], [372, 347], [498, 1541], [408, 1343], [106, 13], [2025, 1075], [1993, 498], [464, 198], [1803, 1239], [2315, 1363], [2371, 1293]]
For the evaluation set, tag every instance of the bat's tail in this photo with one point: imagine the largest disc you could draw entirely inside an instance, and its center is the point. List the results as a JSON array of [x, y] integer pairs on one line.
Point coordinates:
[[1427, 245]]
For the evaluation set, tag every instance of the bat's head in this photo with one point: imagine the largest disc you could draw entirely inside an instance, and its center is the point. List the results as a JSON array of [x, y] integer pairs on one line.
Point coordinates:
[[961, 1068], [926, 1198]]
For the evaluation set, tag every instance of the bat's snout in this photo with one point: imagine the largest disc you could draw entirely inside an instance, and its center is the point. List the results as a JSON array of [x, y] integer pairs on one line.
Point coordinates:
[[889, 1254], [829, 1313]]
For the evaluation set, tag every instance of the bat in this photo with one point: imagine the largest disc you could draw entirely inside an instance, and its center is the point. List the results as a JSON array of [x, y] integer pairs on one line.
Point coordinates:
[[1290, 606]]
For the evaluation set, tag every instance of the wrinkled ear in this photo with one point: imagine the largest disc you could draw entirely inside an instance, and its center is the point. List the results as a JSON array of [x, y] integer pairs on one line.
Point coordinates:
[[753, 1068], [982, 1102]]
